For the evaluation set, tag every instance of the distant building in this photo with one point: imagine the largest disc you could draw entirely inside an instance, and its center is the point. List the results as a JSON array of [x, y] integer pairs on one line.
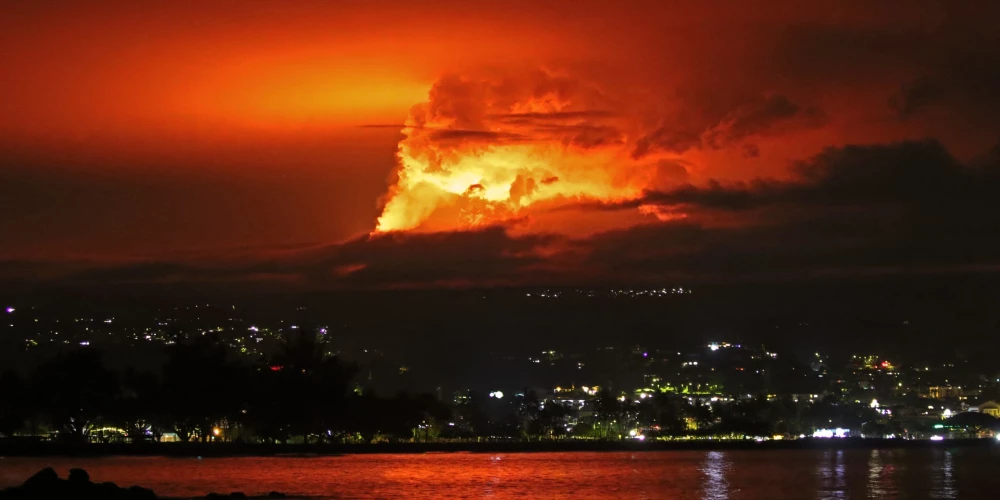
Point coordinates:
[[991, 408], [945, 391]]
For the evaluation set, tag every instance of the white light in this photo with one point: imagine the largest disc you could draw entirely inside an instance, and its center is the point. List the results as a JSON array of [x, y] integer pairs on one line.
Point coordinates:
[[713, 346], [496, 394], [10, 310], [831, 433], [874, 403], [937, 438], [641, 438]]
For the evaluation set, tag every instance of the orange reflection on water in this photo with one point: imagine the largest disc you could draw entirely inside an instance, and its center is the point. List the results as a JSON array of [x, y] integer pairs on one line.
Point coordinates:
[[680, 475]]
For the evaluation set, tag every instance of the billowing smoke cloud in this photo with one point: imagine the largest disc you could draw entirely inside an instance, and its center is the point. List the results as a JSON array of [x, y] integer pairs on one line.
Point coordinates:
[[484, 150]]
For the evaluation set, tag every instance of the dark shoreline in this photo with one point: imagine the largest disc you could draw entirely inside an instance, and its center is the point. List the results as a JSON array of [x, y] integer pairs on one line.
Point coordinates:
[[26, 449]]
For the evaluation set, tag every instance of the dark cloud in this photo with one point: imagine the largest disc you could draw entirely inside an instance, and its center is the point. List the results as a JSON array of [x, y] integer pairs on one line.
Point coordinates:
[[908, 207], [914, 96], [469, 258], [722, 128], [750, 118], [911, 174], [666, 138]]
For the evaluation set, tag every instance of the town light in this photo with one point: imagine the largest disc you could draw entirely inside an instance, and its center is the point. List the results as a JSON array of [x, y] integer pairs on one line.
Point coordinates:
[[831, 433]]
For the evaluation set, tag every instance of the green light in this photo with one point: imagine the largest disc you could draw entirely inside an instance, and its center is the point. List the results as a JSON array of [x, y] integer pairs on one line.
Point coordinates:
[[939, 426]]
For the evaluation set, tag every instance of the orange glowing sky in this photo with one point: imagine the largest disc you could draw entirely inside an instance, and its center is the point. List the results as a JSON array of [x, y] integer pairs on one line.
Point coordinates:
[[140, 130]]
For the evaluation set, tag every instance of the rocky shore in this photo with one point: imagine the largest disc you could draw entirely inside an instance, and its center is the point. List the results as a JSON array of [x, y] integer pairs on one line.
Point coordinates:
[[47, 485]]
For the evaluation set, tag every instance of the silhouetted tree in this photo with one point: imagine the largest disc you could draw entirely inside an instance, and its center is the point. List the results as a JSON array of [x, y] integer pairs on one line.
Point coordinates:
[[200, 387], [13, 404], [308, 386], [137, 408], [76, 390]]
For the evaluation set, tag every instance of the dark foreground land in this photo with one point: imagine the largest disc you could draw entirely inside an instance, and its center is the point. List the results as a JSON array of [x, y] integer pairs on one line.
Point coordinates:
[[28, 448], [47, 485]]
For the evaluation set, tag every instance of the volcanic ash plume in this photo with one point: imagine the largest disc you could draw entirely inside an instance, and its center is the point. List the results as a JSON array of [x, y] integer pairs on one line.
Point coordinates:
[[484, 151]]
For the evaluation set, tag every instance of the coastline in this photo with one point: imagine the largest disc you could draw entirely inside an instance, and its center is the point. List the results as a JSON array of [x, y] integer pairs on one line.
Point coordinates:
[[34, 449]]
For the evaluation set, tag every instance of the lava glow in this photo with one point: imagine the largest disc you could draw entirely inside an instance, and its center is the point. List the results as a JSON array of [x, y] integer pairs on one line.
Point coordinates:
[[482, 152], [487, 184]]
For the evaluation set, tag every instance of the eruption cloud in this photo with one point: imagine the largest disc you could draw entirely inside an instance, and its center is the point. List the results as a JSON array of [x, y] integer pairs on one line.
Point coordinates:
[[482, 151], [486, 150]]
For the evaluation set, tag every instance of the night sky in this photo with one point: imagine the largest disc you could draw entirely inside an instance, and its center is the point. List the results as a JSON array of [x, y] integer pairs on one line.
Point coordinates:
[[389, 144]]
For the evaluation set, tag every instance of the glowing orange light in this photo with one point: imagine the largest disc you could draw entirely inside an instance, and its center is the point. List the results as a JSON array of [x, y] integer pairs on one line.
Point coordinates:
[[478, 153]]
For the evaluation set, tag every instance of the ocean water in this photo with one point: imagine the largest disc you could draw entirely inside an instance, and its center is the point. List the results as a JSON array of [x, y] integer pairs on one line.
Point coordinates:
[[936, 473]]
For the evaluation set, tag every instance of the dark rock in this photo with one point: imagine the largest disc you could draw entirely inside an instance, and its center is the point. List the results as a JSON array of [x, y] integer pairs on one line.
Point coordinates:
[[109, 491], [237, 494], [215, 495], [45, 478], [78, 476], [46, 485], [140, 493], [12, 493], [276, 494]]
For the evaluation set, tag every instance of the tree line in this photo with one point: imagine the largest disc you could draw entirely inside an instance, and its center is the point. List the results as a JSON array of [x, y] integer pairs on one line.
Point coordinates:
[[301, 395]]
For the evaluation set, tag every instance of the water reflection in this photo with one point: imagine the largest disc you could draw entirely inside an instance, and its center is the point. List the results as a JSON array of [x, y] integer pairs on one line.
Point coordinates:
[[943, 477], [832, 481], [881, 474], [683, 475], [714, 469], [494, 476]]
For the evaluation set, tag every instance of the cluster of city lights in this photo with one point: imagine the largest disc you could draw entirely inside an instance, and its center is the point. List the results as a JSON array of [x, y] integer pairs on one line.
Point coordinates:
[[617, 292]]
